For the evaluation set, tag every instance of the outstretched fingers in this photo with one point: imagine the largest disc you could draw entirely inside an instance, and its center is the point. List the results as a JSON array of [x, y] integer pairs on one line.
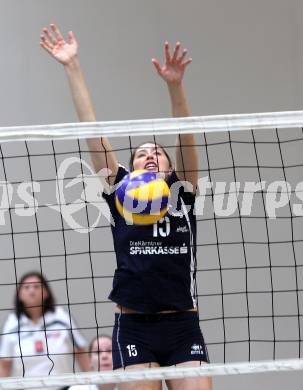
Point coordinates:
[[45, 45], [167, 53], [45, 41], [54, 43], [187, 62], [56, 32], [182, 57], [48, 37], [71, 37], [157, 65], [176, 58], [181, 60], [172, 70], [176, 52]]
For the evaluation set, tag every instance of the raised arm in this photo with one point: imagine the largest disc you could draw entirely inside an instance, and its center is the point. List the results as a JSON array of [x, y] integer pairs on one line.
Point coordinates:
[[83, 359], [172, 72], [66, 53]]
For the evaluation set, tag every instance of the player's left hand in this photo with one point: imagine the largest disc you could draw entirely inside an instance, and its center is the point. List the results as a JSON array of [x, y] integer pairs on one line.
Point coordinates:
[[174, 67]]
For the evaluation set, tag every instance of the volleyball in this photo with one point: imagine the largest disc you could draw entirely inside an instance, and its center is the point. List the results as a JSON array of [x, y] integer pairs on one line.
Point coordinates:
[[142, 197]]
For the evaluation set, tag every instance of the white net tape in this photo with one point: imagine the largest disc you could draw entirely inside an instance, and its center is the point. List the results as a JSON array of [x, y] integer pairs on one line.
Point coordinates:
[[207, 124], [150, 374]]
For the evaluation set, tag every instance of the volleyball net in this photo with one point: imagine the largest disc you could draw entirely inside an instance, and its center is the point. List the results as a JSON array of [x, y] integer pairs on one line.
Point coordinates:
[[249, 210]]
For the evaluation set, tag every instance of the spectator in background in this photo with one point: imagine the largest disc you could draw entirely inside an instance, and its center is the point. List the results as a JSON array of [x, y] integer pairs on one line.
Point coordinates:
[[39, 338], [100, 352]]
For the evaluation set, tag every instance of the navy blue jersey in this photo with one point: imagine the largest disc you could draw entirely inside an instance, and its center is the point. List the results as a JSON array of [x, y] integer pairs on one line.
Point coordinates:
[[156, 263]]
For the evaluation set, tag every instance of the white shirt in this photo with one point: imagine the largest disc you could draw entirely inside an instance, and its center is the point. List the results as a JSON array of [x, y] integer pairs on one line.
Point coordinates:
[[37, 350]]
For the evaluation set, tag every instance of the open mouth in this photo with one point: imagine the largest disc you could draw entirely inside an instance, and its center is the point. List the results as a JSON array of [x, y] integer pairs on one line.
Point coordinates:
[[151, 165]]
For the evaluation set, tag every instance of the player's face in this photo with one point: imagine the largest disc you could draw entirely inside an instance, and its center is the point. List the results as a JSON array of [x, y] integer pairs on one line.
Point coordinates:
[[152, 158], [102, 360], [32, 293]]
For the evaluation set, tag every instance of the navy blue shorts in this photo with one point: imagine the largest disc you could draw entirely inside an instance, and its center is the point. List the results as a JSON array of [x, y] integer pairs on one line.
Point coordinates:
[[166, 339]]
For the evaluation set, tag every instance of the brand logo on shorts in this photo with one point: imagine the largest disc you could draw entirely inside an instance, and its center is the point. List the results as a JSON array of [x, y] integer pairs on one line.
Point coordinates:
[[196, 349]]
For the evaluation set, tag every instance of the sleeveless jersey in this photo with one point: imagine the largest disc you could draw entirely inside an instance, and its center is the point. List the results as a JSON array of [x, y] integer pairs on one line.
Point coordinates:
[[156, 264]]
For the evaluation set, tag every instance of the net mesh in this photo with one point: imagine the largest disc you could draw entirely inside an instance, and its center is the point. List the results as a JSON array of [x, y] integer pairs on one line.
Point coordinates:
[[249, 239]]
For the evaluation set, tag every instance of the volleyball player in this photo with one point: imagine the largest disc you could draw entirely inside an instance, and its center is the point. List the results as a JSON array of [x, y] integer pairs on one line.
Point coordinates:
[[157, 322], [37, 336]]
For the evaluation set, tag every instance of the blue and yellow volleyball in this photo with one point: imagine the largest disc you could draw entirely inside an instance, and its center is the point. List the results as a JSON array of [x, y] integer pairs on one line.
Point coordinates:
[[142, 197]]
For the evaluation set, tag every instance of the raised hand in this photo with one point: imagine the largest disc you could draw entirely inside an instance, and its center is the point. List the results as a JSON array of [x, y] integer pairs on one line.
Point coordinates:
[[174, 67], [53, 42]]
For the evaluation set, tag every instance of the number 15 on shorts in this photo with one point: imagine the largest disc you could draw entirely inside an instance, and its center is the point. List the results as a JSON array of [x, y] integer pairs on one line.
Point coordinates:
[[132, 351]]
